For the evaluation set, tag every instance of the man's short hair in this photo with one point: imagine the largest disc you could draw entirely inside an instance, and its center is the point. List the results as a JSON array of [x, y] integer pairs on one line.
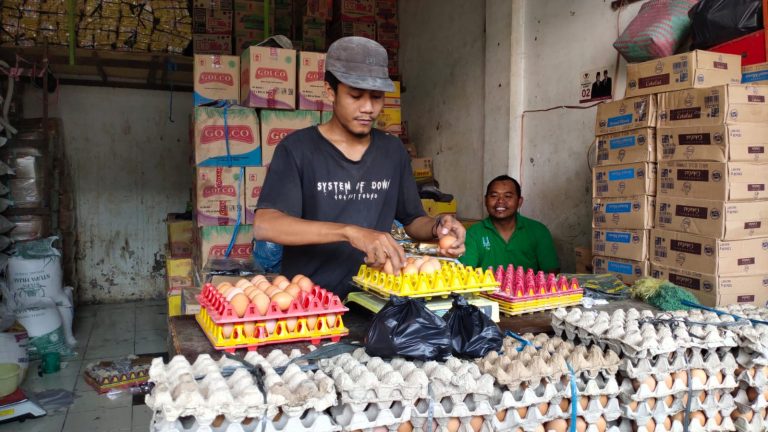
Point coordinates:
[[501, 178], [332, 81]]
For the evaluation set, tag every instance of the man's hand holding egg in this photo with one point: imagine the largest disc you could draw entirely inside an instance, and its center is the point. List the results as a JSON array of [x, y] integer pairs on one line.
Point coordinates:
[[450, 234]]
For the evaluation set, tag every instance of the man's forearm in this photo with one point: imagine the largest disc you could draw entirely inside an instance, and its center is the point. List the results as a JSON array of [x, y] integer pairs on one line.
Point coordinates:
[[278, 227], [422, 228]]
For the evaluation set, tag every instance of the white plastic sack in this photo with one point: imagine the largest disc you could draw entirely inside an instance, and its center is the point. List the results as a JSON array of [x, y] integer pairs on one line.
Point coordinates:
[[13, 349], [45, 329], [67, 315], [34, 272]]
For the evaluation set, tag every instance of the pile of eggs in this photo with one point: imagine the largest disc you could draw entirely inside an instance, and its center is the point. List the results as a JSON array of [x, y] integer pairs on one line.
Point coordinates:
[[261, 292], [420, 265]]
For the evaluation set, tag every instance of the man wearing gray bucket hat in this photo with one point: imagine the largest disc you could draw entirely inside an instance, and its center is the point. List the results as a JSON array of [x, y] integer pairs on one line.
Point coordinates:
[[332, 191]]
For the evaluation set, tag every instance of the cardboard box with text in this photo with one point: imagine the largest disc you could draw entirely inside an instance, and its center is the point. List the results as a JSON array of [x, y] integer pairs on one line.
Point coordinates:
[[731, 104], [720, 143], [637, 145], [624, 180], [219, 195], [714, 291], [215, 45], [635, 212], [254, 181], [179, 236], [268, 78], [312, 82], [214, 241], [276, 125], [710, 218], [626, 114], [216, 77], [627, 271], [227, 137], [620, 243], [725, 181]]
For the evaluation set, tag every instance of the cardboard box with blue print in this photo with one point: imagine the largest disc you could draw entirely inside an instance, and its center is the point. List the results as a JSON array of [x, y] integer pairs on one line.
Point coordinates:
[[620, 243], [720, 143], [726, 181], [226, 137], [624, 180], [696, 69], [634, 212], [756, 74], [626, 114], [709, 255], [216, 77], [713, 218], [731, 104], [713, 290], [435, 208], [637, 145], [627, 271]]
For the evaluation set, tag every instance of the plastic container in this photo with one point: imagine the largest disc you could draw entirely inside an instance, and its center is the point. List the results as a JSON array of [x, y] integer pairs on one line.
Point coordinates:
[[451, 278], [9, 378]]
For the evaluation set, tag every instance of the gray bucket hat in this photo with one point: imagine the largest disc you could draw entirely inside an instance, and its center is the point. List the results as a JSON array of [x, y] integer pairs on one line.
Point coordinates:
[[359, 62]]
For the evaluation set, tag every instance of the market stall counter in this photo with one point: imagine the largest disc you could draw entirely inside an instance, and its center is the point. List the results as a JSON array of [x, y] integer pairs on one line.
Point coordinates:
[[188, 339]]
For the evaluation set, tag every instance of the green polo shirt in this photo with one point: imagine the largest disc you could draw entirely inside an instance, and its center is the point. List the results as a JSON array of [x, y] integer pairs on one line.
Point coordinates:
[[530, 246]]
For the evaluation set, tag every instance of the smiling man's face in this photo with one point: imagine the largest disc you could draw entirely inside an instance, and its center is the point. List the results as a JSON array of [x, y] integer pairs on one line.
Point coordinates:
[[502, 200]]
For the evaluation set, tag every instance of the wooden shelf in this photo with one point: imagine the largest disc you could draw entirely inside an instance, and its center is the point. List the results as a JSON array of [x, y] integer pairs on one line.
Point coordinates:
[[153, 71]]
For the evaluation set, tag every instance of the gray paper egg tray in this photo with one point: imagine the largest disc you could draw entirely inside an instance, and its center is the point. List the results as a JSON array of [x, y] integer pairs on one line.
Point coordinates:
[[443, 412], [710, 361], [533, 414], [351, 417], [660, 410], [662, 390], [755, 423], [310, 421], [677, 426]]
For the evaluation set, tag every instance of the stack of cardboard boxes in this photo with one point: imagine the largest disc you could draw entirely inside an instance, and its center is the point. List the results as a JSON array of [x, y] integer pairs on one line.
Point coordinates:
[[624, 187], [710, 231], [212, 26], [252, 20], [178, 261]]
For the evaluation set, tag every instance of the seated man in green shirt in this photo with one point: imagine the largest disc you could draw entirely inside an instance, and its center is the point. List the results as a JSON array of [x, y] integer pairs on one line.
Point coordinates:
[[507, 237]]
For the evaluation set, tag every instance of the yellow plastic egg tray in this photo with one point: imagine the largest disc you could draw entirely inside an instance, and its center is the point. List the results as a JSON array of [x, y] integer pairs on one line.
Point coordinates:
[[520, 308], [451, 278], [261, 336]]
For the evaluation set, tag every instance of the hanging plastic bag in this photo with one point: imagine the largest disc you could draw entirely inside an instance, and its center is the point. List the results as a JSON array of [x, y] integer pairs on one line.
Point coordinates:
[[473, 333], [658, 29], [269, 255], [717, 21], [404, 327]]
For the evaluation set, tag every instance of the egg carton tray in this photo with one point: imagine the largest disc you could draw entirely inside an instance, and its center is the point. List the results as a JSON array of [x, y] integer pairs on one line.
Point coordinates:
[[710, 361], [526, 417], [352, 417], [309, 422], [511, 309], [458, 380], [677, 426], [533, 421], [453, 278], [749, 422], [753, 377], [748, 358], [450, 424], [664, 389], [525, 396], [743, 401], [358, 378], [660, 410], [317, 302], [262, 336]]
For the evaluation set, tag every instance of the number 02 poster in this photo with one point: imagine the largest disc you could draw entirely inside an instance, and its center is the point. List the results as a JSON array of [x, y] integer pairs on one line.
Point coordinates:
[[596, 85]]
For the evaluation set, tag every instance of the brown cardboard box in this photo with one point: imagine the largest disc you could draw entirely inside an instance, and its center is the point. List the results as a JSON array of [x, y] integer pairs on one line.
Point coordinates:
[[213, 4], [756, 74], [211, 145], [627, 271], [276, 125], [626, 114], [213, 44], [695, 69], [732, 104], [217, 77], [624, 180], [321, 9], [436, 208], [314, 32], [212, 21], [720, 143], [189, 303], [635, 212], [246, 38], [709, 255], [710, 218], [620, 243], [179, 236], [422, 168], [268, 78], [583, 258], [214, 241], [359, 10], [254, 181], [714, 291], [637, 145], [726, 181], [312, 82], [179, 274], [217, 199]]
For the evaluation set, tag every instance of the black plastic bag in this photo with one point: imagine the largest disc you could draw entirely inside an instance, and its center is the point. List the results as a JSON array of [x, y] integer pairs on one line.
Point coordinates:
[[405, 327], [473, 333], [717, 21]]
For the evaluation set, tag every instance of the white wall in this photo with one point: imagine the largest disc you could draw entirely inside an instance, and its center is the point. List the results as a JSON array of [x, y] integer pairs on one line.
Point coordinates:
[[442, 59], [131, 167]]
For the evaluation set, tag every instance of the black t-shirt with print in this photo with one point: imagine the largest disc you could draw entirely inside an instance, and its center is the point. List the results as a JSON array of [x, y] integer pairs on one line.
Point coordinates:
[[311, 179]]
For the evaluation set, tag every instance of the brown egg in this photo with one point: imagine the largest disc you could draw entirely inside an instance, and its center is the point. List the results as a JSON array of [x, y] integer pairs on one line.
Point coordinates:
[[718, 418], [603, 401], [240, 304], [218, 421], [290, 324], [242, 283], [232, 293], [522, 412], [651, 403], [283, 300], [278, 279], [669, 400], [405, 427], [330, 319], [564, 404], [226, 330], [249, 328], [584, 402], [668, 381], [698, 416], [387, 267], [667, 423], [263, 285], [446, 242], [271, 291], [283, 284], [297, 278], [700, 375], [258, 278], [681, 376], [557, 425], [633, 406], [476, 423], [305, 284], [679, 417], [602, 425], [269, 326], [648, 381], [311, 322], [410, 269], [261, 301], [222, 286], [453, 424], [501, 415], [543, 408], [581, 424], [650, 425], [410, 260], [250, 289], [719, 377], [736, 414], [293, 290], [228, 289]]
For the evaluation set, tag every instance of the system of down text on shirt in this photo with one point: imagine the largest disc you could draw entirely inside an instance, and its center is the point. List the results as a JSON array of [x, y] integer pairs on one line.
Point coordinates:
[[353, 191]]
